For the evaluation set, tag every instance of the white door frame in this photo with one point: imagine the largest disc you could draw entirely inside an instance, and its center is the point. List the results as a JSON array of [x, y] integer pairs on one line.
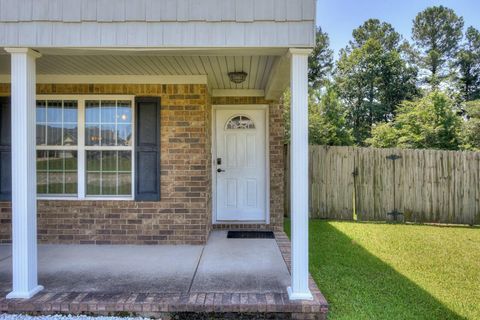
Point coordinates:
[[240, 107]]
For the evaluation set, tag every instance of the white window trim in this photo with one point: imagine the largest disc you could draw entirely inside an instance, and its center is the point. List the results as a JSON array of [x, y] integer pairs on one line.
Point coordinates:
[[82, 149]]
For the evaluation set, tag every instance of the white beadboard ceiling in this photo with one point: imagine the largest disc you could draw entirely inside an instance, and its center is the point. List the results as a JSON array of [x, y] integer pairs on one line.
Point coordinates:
[[215, 67]]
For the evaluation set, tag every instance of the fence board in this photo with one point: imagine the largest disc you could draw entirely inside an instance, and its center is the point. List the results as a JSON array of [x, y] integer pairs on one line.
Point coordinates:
[[427, 185]]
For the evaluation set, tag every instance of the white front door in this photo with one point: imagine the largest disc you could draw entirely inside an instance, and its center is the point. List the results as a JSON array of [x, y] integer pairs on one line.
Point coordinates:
[[240, 165]]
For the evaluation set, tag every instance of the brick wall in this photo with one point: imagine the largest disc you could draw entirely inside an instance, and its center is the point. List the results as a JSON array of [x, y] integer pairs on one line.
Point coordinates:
[[183, 216]]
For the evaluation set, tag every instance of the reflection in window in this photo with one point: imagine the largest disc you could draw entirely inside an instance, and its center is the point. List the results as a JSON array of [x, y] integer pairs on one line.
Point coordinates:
[[109, 172], [240, 122], [56, 172], [104, 155], [56, 123], [108, 123]]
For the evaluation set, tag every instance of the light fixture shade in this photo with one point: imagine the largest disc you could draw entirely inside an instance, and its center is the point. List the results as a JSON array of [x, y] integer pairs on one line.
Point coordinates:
[[237, 77]]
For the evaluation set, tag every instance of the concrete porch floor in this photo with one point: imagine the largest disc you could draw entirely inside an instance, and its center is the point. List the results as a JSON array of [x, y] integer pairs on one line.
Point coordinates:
[[225, 275]]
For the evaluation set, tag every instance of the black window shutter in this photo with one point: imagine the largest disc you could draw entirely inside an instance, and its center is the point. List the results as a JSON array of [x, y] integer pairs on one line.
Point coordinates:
[[147, 149], [5, 150]]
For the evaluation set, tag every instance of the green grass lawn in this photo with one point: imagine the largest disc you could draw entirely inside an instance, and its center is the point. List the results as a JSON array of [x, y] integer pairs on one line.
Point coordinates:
[[383, 271]]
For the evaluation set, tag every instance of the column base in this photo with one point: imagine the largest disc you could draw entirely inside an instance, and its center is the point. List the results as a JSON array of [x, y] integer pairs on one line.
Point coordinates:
[[24, 294], [299, 295]]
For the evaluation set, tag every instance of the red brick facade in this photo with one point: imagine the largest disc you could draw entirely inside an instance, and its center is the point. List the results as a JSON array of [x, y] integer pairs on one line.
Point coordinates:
[[183, 216]]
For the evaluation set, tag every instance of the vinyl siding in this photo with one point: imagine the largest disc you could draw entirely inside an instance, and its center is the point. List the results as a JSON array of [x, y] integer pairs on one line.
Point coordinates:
[[157, 10], [160, 23]]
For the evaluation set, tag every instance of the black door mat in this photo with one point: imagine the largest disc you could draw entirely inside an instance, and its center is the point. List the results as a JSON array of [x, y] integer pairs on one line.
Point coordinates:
[[250, 235]]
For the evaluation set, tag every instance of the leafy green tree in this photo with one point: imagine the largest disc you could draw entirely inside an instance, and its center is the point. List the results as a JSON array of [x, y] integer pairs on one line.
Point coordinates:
[[326, 118], [427, 123], [373, 77], [320, 61], [437, 32], [471, 127], [384, 135], [383, 32], [468, 63], [327, 124]]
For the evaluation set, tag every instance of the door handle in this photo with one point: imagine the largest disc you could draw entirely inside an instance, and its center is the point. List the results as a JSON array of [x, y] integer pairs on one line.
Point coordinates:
[[220, 170]]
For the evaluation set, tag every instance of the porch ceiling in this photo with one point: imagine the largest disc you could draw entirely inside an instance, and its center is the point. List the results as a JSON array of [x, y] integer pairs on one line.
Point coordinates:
[[214, 64]]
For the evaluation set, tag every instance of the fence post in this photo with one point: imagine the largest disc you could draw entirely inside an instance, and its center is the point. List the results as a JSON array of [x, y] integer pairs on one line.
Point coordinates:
[[395, 214]]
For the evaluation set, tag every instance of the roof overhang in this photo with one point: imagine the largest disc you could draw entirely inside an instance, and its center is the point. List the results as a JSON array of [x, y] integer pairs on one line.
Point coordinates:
[[267, 68]]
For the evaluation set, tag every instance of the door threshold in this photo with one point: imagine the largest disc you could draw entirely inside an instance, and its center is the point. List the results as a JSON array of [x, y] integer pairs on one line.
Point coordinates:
[[240, 222]]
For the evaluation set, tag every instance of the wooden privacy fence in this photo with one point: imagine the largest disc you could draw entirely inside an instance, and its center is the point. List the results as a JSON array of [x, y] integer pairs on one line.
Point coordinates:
[[424, 185]]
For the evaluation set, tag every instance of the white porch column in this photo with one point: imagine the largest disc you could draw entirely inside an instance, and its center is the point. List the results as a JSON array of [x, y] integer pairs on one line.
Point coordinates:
[[24, 188], [299, 174]]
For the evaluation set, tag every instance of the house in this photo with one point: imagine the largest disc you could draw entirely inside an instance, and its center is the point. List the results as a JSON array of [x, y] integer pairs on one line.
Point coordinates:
[[150, 122]]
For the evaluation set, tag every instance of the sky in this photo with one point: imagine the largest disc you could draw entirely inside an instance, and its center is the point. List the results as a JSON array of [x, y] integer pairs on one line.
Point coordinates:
[[339, 17]]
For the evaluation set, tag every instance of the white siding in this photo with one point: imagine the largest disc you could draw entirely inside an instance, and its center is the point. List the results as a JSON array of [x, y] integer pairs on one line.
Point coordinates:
[[40, 10], [244, 10], [25, 10], [186, 34], [72, 11], [154, 10], [176, 10], [180, 23], [105, 10], [7, 11], [135, 11], [280, 10], [263, 10], [294, 11], [55, 10], [89, 10]]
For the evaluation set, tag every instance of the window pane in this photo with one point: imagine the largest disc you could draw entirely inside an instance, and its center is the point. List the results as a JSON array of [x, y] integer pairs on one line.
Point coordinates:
[[124, 112], [124, 134], [70, 160], [93, 183], [71, 182], [56, 123], [70, 135], [55, 161], [55, 182], [108, 112], [124, 183], [108, 123], [54, 134], [92, 111], [93, 160], [56, 172], [41, 111], [41, 134], [54, 111], [109, 161], [42, 160], [108, 135], [108, 173], [109, 183], [240, 122], [124, 161], [42, 182], [92, 135], [70, 111]]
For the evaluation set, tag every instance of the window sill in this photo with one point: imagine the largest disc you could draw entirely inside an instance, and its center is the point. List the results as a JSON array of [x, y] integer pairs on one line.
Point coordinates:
[[40, 198]]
